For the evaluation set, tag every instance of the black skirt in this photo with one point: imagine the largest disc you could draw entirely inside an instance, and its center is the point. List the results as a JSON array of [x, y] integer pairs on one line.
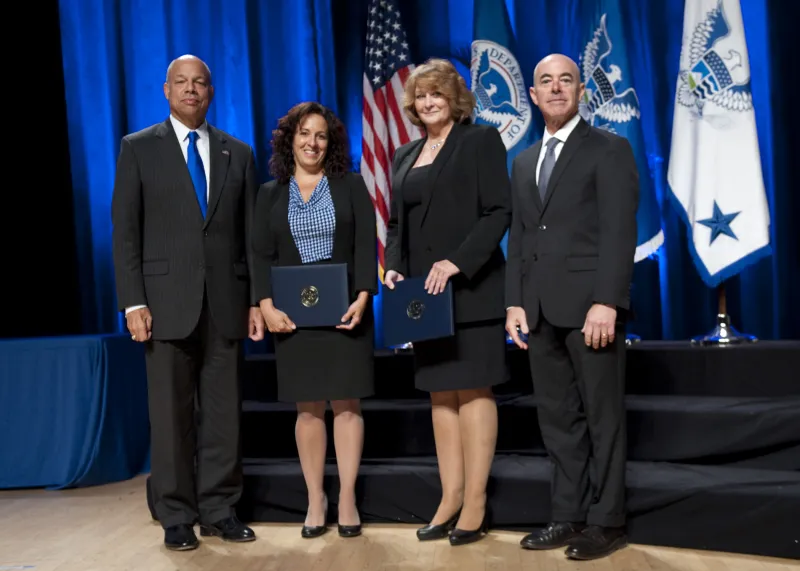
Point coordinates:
[[325, 364], [474, 358]]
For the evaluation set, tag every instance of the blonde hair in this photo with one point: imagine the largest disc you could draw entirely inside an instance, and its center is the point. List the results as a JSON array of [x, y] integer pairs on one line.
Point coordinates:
[[439, 75]]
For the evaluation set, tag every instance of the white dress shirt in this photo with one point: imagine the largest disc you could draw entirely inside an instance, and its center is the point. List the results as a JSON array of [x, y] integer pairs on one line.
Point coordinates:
[[561, 135], [182, 133]]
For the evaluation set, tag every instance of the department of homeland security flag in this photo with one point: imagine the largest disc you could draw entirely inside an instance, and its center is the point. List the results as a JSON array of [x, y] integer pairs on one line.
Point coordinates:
[[497, 80], [715, 167], [610, 102]]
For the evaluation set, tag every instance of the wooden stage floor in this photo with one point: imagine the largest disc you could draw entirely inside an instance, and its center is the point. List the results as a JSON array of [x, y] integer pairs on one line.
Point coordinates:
[[108, 528]]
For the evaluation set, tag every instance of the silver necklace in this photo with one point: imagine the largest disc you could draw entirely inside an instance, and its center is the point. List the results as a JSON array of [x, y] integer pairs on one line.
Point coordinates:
[[437, 145]]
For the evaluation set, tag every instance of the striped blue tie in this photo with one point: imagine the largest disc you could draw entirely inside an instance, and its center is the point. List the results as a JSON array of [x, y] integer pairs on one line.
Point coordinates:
[[197, 172]]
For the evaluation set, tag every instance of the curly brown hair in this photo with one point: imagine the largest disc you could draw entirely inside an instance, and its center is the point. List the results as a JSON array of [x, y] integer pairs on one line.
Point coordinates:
[[337, 157], [440, 75]]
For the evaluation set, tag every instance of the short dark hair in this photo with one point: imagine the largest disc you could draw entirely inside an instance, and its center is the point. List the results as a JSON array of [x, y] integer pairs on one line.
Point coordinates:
[[337, 156]]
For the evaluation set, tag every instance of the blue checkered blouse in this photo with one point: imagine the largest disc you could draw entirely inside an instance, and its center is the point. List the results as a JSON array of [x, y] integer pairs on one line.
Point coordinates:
[[312, 223]]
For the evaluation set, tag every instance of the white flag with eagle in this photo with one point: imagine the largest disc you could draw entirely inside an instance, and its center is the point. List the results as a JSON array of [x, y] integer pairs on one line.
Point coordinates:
[[715, 167]]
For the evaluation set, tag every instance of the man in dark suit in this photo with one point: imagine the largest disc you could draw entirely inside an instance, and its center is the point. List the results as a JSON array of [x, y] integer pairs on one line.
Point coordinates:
[[570, 260], [183, 198]]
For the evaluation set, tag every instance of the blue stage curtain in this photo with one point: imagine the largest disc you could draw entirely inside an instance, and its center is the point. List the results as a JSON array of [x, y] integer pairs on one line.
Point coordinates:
[[268, 55], [73, 411]]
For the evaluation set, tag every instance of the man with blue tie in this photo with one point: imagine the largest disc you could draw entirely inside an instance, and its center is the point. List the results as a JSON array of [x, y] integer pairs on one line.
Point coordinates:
[[183, 198]]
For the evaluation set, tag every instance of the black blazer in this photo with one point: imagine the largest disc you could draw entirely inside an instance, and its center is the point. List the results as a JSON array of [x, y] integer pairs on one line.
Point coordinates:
[[354, 241], [577, 247], [467, 210], [165, 255]]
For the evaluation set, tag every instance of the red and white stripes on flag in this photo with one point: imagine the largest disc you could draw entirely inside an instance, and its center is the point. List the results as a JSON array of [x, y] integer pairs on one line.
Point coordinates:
[[385, 127]]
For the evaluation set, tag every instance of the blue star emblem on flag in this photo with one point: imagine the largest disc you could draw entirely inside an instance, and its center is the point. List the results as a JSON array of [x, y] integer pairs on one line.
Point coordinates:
[[719, 223]]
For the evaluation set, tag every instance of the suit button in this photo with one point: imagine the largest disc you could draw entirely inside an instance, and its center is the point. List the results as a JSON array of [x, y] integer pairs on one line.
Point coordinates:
[[205, 233], [542, 227], [535, 257]]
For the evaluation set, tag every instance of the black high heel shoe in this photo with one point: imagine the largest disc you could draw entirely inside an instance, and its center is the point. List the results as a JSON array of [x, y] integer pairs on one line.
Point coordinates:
[[350, 530], [310, 531], [464, 537], [440, 531]]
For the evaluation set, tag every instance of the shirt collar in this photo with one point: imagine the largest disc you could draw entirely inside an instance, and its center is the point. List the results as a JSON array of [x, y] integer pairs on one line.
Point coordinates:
[[182, 131], [564, 132]]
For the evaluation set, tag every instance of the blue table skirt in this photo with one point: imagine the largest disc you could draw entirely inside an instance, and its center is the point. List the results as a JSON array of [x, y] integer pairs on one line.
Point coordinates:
[[73, 411]]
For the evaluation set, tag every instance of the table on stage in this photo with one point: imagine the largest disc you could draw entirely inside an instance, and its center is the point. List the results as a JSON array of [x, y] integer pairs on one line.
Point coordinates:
[[73, 411]]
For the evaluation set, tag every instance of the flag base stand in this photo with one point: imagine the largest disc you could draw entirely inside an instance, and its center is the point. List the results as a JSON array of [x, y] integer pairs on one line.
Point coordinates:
[[723, 334]]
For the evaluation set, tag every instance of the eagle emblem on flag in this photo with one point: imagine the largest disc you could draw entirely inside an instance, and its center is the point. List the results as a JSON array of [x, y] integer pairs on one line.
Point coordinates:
[[716, 73], [602, 106]]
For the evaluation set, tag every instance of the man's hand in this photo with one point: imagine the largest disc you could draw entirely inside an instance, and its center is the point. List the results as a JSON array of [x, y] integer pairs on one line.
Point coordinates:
[[355, 312], [255, 326], [391, 277], [516, 318], [140, 324], [598, 330], [437, 278]]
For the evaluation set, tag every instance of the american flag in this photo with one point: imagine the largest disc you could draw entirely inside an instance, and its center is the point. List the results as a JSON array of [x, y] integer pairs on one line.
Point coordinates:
[[387, 65]]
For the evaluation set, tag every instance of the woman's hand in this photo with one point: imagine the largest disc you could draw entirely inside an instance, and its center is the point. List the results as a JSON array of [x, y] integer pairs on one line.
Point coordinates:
[[438, 276], [355, 312], [277, 321], [391, 277]]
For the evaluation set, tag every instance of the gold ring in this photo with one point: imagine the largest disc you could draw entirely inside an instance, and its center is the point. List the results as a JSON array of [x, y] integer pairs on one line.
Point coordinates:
[[603, 335]]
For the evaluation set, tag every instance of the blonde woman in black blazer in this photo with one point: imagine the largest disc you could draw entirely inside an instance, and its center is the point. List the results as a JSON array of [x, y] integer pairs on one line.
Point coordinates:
[[451, 207], [317, 212]]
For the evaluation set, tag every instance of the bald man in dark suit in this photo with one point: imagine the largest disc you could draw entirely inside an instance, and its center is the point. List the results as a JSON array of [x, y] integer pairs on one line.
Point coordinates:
[[570, 261], [183, 198]]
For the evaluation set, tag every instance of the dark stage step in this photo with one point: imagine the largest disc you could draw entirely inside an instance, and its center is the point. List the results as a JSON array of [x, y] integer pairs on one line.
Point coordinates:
[[736, 510], [745, 432], [763, 369]]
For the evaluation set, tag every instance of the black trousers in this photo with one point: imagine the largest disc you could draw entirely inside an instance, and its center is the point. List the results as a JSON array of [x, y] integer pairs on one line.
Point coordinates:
[[195, 406], [580, 396]]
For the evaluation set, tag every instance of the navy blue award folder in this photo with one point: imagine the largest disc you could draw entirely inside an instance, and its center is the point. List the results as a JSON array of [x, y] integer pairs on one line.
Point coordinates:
[[313, 295], [412, 314]]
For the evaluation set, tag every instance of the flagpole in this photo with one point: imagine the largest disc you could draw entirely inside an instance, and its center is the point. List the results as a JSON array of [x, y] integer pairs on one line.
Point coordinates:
[[724, 333]]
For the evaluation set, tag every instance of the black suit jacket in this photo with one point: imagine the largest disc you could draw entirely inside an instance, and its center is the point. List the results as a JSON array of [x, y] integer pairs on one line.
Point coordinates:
[[467, 210], [577, 247], [166, 256], [354, 241]]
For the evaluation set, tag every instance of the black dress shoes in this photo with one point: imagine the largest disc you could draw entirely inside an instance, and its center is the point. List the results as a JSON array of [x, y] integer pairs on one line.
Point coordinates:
[[556, 534], [180, 538], [464, 537], [349, 530], [596, 542], [229, 529], [439, 531]]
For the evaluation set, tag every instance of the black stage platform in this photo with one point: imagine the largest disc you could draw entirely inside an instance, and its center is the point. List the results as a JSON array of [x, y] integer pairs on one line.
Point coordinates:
[[714, 449]]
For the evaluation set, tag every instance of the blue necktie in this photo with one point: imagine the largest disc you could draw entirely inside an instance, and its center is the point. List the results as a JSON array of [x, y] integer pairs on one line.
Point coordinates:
[[547, 166], [197, 172]]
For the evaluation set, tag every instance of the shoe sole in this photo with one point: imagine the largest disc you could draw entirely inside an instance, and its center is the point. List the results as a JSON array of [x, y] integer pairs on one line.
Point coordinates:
[[204, 533], [183, 547], [616, 546]]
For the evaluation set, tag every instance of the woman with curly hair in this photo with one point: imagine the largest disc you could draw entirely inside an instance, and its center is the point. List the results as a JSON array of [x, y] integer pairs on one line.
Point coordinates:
[[318, 212]]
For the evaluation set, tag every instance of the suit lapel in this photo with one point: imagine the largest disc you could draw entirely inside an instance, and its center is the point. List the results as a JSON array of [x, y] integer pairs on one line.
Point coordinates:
[[220, 157], [174, 156], [338, 189], [399, 178], [438, 164], [531, 189], [571, 147], [282, 204]]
